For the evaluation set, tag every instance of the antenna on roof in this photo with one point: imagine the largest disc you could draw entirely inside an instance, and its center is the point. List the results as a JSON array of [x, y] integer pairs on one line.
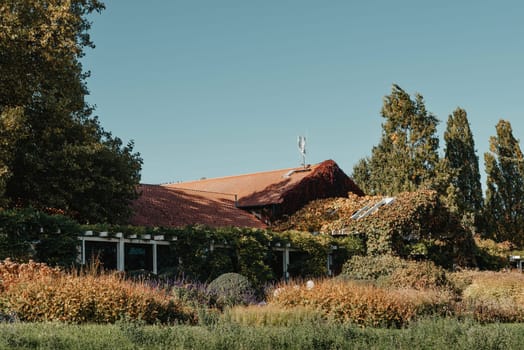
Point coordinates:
[[302, 149]]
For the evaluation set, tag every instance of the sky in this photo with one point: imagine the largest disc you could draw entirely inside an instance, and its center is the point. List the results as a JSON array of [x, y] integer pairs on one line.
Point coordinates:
[[221, 87]]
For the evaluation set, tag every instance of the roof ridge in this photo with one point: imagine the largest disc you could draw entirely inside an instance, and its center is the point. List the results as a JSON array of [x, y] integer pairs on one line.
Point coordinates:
[[237, 176]]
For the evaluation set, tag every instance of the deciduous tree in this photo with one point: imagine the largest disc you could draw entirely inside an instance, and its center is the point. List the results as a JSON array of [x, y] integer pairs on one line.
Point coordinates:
[[60, 157]]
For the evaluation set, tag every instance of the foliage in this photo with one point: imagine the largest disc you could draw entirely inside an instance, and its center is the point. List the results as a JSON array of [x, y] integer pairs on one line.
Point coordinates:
[[204, 253], [372, 267], [253, 255], [195, 252], [419, 275], [200, 253], [464, 191], [231, 289], [435, 333], [491, 255], [29, 234], [36, 292], [273, 315], [12, 128], [364, 304], [54, 153], [406, 157], [495, 297], [504, 210], [414, 223], [311, 259], [393, 271]]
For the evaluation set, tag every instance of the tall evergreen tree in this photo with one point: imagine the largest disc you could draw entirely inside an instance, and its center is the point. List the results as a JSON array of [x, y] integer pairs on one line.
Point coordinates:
[[465, 190], [406, 157], [504, 207]]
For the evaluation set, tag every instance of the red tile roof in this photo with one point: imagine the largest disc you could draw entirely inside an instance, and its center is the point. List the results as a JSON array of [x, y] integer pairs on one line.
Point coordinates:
[[259, 189], [170, 207], [212, 201]]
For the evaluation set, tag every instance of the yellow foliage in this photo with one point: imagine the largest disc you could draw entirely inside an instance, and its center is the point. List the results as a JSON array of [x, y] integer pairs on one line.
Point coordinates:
[[495, 296], [36, 292], [362, 303]]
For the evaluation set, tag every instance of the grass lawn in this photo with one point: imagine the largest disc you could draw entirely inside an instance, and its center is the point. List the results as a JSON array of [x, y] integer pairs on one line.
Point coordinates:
[[435, 333]]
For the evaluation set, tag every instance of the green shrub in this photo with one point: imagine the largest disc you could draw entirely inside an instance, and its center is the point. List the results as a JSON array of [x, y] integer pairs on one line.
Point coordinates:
[[231, 289], [491, 255], [55, 237], [396, 272], [372, 267], [419, 275]]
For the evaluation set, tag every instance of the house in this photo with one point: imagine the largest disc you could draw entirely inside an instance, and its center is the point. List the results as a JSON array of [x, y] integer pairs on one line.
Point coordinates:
[[250, 200]]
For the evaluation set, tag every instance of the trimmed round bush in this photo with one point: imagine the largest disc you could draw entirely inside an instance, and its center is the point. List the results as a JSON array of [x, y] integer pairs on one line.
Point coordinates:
[[231, 289]]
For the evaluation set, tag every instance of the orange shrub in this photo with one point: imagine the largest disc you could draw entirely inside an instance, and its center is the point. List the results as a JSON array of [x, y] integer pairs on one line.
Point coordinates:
[[364, 304], [12, 273], [36, 293], [495, 297]]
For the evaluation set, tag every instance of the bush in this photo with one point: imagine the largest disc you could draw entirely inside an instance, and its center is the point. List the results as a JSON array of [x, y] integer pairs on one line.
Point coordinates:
[[364, 304], [495, 297], [372, 267], [231, 289], [55, 237], [491, 255], [34, 292], [419, 275], [393, 271]]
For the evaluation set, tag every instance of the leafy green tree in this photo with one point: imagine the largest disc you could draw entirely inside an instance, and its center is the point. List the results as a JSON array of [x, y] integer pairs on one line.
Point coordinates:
[[504, 207], [406, 157], [60, 157], [11, 129], [464, 191], [361, 175]]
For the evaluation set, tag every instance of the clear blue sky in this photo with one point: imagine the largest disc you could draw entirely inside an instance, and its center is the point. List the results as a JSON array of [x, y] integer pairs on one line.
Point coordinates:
[[215, 88]]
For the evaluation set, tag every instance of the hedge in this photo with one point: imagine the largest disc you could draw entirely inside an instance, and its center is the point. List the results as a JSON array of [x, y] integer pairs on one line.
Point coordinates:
[[199, 252]]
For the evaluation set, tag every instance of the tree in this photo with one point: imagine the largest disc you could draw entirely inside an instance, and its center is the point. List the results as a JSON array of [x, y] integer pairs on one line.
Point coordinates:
[[406, 157], [465, 190], [61, 157], [362, 176], [504, 207], [11, 129]]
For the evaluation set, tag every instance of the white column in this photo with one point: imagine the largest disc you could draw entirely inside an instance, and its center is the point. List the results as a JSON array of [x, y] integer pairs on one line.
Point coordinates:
[[120, 255], [155, 263], [83, 251], [285, 262]]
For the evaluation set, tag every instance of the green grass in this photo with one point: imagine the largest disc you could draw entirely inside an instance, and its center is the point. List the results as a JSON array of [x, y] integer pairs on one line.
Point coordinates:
[[427, 334]]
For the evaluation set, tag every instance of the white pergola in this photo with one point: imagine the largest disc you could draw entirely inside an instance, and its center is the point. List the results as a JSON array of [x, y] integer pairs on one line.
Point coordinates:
[[120, 240]]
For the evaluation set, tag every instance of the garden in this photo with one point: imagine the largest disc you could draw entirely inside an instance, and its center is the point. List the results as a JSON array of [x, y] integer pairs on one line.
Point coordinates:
[[376, 302]]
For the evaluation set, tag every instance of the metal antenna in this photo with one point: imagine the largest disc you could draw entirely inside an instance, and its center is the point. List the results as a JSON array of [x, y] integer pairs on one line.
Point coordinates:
[[302, 149]]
